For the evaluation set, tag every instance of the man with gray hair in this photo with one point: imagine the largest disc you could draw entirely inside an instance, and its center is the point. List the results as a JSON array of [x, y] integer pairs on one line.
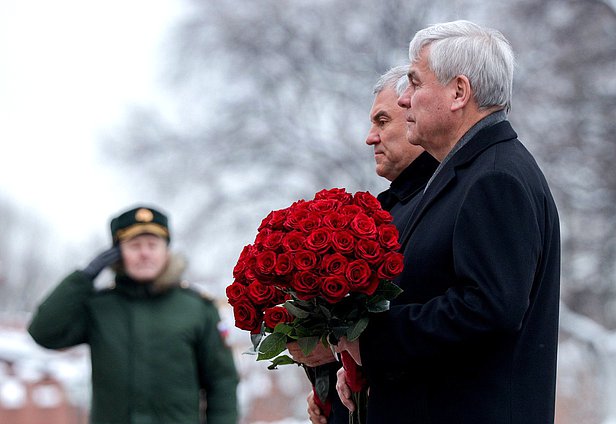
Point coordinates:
[[408, 167], [473, 338]]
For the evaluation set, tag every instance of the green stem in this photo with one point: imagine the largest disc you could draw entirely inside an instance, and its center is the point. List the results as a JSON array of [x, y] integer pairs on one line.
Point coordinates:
[[361, 407]]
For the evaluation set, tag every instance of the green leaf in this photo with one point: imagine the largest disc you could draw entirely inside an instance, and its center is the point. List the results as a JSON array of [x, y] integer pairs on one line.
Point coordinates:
[[388, 290], [356, 329], [281, 360], [283, 328], [325, 311], [381, 306], [272, 345], [337, 333], [307, 344], [296, 311]]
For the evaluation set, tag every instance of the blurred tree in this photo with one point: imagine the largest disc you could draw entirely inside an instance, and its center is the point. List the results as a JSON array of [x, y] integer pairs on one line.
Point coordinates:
[[24, 267], [565, 103]]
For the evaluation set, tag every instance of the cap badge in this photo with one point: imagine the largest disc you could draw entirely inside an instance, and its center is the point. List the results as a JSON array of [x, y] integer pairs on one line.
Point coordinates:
[[144, 215]]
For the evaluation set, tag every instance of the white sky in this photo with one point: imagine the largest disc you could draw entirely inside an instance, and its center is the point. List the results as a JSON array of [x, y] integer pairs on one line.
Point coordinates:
[[68, 71]]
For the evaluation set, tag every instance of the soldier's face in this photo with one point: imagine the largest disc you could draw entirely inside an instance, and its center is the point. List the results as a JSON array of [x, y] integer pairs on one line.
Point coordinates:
[[145, 257]]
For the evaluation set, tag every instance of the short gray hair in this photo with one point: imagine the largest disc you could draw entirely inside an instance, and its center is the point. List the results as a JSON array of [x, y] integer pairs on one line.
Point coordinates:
[[395, 78], [483, 55]]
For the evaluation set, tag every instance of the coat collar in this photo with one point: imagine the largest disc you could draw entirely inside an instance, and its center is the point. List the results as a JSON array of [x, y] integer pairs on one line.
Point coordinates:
[[484, 139], [409, 182]]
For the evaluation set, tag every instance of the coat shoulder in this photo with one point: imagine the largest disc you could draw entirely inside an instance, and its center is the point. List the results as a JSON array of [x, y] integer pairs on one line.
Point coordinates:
[[197, 290]]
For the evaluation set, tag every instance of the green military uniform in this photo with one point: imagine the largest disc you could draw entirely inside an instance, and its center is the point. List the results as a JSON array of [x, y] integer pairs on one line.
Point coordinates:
[[154, 347]]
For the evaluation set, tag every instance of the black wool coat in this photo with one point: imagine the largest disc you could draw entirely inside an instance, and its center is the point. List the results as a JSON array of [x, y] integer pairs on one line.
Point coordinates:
[[473, 337]]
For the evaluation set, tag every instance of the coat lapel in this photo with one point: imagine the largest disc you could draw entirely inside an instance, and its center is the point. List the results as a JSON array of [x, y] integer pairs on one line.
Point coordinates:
[[447, 175]]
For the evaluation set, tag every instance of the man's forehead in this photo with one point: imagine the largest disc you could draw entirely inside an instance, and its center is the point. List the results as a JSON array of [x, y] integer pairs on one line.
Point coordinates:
[[383, 102]]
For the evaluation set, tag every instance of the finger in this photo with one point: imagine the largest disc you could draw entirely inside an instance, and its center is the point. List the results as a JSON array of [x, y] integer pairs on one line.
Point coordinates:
[[346, 401], [344, 392]]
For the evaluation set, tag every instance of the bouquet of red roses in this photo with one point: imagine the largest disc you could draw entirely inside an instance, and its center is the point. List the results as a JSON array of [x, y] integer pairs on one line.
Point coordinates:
[[315, 273]]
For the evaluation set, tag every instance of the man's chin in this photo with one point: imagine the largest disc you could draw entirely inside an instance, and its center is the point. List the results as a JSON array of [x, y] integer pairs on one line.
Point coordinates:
[[144, 277]]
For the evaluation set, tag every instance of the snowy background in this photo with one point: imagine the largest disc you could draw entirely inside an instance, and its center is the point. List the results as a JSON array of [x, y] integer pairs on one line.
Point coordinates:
[[220, 113]]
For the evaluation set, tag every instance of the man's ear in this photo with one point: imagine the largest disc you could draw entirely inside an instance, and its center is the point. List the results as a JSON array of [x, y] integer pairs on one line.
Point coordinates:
[[463, 92]]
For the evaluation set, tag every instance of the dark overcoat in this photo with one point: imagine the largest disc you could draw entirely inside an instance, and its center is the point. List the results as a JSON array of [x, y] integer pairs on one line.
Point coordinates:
[[473, 337]]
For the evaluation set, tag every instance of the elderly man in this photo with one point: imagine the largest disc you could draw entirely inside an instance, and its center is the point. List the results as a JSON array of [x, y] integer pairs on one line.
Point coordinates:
[[408, 167], [473, 337], [154, 341]]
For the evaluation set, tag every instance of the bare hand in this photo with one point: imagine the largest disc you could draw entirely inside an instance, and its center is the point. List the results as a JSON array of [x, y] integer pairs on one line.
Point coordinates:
[[314, 413], [351, 347], [343, 390], [320, 355]]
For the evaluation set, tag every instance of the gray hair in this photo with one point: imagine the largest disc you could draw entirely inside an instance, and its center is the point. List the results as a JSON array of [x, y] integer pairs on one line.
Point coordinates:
[[395, 78], [483, 55]]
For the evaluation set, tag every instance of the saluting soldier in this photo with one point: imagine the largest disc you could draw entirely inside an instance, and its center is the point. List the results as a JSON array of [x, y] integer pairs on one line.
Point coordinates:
[[157, 355]]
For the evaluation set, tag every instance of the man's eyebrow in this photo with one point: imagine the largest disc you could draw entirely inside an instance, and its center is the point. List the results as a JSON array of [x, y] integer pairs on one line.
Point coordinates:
[[379, 114]]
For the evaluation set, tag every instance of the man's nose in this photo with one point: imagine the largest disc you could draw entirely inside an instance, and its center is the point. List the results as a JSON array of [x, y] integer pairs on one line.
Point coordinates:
[[405, 99], [373, 137]]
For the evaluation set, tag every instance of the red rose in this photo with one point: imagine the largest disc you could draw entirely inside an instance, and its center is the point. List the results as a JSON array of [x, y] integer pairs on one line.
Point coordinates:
[[261, 294], [265, 262], [351, 210], [305, 260], [278, 219], [339, 194], [261, 236], [388, 237], [369, 250], [306, 284], [336, 221], [367, 287], [334, 264], [382, 217], [235, 292], [284, 264], [273, 240], [249, 274], [319, 240], [275, 315], [247, 316], [357, 273], [242, 263], [334, 288], [281, 297], [265, 221], [392, 266], [324, 205], [367, 201], [274, 220], [294, 217], [363, 226], [311, 222], [343, 241], [293, 241]]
